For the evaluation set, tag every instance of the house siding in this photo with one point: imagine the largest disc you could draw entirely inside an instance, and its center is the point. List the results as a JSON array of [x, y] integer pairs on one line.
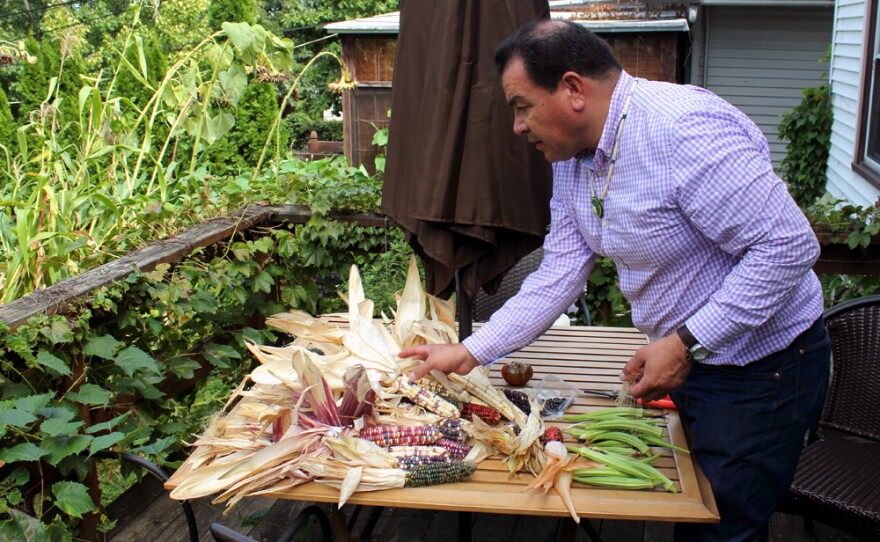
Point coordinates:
[[762, 58], [846, 60]]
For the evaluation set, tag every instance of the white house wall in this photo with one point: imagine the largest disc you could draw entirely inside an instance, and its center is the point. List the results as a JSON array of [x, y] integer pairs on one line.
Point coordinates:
[[762, 58], [846, 60]]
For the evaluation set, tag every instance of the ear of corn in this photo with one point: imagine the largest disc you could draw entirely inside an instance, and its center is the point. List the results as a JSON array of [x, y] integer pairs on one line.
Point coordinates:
[[432, 452], [426, 398], [551, 433], [452, 429], [480, 387], [409, 463], [485, 413], [401, 435], [519, 399], [439, 473], [439, 389], [457, 450]]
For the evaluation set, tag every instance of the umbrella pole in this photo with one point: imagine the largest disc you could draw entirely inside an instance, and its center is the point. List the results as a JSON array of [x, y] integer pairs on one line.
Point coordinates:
[[465, 316]]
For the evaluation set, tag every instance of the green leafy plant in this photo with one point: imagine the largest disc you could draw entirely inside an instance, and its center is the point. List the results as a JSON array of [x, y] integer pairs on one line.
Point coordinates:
[[101, 374], [608, 306], [854, 225], [79, 192], [807, 129], [857, 227]]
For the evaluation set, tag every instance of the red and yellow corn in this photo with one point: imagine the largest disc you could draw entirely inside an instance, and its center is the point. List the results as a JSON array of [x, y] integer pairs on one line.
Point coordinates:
[[551, 433], [485, 413]]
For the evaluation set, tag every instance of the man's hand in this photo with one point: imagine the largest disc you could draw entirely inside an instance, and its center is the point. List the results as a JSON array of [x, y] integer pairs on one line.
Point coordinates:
[[446, 358], [657, 369]]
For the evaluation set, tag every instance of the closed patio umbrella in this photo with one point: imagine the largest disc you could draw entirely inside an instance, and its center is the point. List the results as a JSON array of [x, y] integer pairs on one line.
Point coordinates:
[[471, 195]]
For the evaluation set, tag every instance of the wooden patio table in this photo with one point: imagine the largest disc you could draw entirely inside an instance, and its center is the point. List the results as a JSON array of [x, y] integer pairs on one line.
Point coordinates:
[[590, 358]]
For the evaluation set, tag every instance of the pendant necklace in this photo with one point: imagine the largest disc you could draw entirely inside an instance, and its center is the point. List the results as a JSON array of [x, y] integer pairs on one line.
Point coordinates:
[[599, 201]]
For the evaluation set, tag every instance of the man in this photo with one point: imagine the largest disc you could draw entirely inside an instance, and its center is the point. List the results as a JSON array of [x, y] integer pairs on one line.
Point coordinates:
[[676, 186]]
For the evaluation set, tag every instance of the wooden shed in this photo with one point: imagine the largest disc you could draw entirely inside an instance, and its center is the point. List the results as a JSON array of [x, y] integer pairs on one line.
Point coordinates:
[[650, 44]]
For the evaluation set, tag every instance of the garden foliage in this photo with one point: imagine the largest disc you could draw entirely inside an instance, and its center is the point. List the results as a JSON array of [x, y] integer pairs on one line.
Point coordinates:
[[125, 159]]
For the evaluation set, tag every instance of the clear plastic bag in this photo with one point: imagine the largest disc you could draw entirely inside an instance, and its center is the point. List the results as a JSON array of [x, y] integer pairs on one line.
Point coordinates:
[[555, 396]]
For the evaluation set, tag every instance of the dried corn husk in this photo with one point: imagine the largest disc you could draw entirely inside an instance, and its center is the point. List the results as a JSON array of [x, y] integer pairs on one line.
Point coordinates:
[[292, 425]]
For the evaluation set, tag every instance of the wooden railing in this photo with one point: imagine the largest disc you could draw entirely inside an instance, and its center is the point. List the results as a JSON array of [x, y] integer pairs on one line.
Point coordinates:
[[835, 258], [172, 249]]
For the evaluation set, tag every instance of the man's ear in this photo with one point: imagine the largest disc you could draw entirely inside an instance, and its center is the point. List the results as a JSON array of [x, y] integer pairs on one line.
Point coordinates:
[[575, 88]]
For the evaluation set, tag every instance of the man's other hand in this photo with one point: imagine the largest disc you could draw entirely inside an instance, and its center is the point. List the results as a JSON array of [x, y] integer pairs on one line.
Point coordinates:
[[446, 358]]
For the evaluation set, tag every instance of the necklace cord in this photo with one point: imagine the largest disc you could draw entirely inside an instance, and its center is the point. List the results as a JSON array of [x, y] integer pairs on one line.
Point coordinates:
[[599, 202]]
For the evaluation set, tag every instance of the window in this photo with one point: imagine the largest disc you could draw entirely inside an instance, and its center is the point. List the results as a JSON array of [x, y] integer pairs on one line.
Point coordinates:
[[867, 159]]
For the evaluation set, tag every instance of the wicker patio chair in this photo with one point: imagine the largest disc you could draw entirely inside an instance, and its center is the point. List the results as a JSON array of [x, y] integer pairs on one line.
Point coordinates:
[[485, 305], [838, 479]]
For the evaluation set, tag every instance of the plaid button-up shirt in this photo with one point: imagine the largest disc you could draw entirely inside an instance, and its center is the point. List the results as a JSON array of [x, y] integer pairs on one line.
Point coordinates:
[[701, 229]]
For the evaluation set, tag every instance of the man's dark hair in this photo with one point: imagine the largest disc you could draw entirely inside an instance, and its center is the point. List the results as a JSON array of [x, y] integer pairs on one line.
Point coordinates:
[[548, 49]]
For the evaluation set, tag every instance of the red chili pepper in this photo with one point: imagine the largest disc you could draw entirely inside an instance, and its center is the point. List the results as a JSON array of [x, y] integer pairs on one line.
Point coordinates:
[[666, 402]]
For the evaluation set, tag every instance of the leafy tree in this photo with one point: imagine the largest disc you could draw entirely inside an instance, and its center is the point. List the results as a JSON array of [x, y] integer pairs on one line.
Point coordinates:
[[7, 124], [237, 11], [807, 128], [303, 21], [19, 19], [183, 23], [54, 60], [240, 148], [67, 65], [33, 81], [156, 63]]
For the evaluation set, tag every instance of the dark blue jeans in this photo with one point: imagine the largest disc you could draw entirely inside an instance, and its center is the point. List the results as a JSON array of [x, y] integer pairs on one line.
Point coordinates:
[[747, 427]]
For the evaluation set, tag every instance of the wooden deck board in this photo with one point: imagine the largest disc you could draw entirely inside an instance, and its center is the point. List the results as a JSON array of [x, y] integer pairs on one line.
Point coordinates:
[[485, 527]]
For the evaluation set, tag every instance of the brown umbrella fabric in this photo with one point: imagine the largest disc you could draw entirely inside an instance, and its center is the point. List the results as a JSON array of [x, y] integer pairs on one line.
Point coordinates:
[[471, 195]]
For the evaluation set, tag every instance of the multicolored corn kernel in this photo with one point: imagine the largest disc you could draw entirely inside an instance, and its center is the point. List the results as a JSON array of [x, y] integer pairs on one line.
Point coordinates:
[[456, 449], [551, 433], [429, 452], [409, 463], [485, 413], [452, 429], [401, 435], [426, 398], [439, 389], [439, 473], [519, 399]]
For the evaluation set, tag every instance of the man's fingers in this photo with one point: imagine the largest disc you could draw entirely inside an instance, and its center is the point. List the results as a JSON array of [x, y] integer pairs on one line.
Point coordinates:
[[415, 352], [633, 370], [421, 371]]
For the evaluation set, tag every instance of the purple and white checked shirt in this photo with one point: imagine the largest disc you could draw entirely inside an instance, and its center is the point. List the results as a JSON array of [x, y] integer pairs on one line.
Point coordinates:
[[701, 229]]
